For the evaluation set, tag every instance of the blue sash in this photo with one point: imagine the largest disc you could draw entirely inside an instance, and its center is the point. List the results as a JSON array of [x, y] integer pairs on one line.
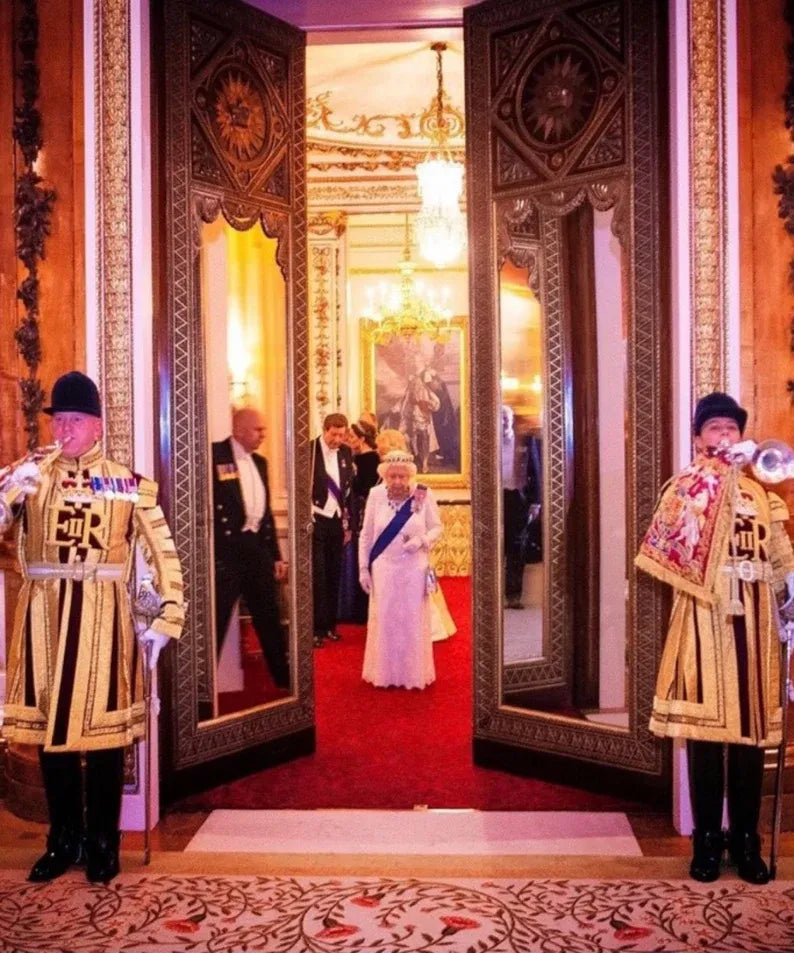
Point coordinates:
[[334, 488], [390, 531]]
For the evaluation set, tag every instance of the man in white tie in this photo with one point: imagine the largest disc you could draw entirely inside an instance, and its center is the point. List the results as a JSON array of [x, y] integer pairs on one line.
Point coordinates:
[[247, 557], [332, 477]]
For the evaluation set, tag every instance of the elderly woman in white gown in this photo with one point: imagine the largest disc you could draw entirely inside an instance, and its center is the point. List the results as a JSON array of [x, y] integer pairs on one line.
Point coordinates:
[[401, 524]]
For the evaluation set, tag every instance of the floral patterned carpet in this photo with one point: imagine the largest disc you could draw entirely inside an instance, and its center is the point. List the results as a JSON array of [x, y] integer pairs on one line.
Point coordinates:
[[276, 914]]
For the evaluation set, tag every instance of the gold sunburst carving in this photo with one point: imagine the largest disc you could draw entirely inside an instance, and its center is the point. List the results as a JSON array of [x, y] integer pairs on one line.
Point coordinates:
[[240, 117], [558, 98]]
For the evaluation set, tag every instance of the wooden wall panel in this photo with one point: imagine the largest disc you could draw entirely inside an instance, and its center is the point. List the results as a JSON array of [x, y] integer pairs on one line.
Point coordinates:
[[61, 163], [767, 299]]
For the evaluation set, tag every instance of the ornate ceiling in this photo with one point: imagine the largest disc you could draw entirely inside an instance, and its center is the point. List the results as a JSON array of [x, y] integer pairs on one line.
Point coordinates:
[[367, 113]]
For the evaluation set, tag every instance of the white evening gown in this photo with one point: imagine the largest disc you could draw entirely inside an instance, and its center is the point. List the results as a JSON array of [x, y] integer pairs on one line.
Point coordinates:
[[399, 648]]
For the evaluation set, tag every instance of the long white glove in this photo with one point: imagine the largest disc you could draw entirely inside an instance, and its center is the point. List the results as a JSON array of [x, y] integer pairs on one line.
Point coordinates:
[[157, 641], [365, 580]]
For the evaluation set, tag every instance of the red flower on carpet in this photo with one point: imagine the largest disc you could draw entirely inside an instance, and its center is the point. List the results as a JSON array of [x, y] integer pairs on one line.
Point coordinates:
[[460, 923], [629, 932], [337, 931], [183, 926], [364, 901]]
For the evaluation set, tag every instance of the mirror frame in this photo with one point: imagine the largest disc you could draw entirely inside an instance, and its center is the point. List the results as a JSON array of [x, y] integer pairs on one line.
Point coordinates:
[[197, 181], [523, 187]]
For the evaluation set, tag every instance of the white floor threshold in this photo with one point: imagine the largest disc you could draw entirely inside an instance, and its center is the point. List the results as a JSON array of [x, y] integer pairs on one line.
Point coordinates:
[[422, 832]]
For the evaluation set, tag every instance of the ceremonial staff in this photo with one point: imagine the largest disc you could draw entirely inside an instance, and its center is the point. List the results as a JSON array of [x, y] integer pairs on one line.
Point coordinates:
[[773, 462], [146, 608]]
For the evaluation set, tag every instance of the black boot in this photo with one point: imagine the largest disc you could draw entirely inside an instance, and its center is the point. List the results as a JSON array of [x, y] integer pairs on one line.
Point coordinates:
[[707, 847], [102, 857], [64, 848], [744, 848]]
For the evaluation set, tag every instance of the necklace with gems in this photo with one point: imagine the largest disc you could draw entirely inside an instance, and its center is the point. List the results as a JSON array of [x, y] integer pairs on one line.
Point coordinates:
[[396, 502]]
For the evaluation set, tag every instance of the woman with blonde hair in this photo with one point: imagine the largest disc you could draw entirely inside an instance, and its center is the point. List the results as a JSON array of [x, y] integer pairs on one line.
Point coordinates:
[[401, 524], [390, 439]]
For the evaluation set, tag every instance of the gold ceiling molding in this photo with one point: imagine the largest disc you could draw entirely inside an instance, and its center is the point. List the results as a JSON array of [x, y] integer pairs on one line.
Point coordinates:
[[403, 125], [111, 49], [707, 93], [367, 159], [359, 194]]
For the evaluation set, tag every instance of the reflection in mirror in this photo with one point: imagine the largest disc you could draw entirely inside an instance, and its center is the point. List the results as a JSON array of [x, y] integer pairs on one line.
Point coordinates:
[[521, 464], [243, 302], [574, 666]]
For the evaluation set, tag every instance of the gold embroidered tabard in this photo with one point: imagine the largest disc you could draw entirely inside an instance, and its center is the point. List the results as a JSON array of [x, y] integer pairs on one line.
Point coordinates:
[[719, 676], [74, 669]]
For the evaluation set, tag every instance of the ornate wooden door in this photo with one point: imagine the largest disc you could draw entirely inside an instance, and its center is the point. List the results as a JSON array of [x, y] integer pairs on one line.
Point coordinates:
[[230, 137], [566, 151]]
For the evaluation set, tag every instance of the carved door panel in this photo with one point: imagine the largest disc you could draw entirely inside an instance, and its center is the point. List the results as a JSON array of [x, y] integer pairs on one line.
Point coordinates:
[[566, 155], [231, 301]]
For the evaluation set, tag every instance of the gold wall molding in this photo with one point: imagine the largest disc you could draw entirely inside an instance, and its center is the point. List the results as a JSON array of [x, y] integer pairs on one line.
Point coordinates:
[[327, 310], [111, 21], [707, 194]]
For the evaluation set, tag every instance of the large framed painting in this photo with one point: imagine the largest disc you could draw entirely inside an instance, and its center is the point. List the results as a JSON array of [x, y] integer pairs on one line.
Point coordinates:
[[418, 385]]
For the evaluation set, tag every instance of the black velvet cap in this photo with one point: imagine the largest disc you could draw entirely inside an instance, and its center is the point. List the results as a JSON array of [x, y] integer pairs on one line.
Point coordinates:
[[75, 393], [718, 404]]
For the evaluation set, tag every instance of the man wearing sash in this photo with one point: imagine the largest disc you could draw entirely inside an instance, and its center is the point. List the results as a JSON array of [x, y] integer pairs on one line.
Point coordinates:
[[75, 684], [332, 478], [401, 524], [719, 538]]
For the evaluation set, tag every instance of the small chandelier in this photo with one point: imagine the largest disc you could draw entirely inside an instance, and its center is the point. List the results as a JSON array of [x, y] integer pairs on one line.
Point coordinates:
[[407, 310], [440, 226]]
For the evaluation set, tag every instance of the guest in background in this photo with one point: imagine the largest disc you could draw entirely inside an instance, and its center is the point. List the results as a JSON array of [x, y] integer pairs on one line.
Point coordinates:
[[332, 480], [401, 524], [390, 439], [248, 561], [353, 602]]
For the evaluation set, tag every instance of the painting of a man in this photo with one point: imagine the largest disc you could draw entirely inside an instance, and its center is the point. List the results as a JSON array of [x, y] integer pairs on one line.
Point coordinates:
[[418, 391]]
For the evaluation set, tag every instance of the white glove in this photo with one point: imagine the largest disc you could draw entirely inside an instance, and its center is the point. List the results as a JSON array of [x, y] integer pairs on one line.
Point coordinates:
[[743, 451], [365, 580], [26, 478], [412, 544], [157, 641]]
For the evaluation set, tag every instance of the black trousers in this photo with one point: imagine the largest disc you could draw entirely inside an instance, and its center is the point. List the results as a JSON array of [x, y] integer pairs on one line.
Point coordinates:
[[327, 544], [745, 766], [247, 570], [64, 787]]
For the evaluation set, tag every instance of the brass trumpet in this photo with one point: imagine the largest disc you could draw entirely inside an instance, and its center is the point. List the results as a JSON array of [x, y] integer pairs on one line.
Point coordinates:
[[772, 461]]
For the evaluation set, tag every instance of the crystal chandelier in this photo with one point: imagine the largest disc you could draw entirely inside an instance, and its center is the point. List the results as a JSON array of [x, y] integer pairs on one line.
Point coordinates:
[[408, 310], [440, 225]]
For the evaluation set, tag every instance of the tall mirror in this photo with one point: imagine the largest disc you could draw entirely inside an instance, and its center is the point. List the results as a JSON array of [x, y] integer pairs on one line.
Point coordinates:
[[243, 306], [567, 192], [574, 666], [233, 377]]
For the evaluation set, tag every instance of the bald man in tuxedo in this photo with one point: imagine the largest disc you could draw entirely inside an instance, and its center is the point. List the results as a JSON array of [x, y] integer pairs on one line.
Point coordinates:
[[248, 561]]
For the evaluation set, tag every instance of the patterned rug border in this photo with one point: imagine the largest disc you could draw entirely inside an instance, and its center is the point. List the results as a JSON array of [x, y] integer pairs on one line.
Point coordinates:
[[161, 913]]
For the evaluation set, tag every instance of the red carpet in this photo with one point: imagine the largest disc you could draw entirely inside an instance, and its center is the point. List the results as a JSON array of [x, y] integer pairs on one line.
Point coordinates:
[[393, 748]]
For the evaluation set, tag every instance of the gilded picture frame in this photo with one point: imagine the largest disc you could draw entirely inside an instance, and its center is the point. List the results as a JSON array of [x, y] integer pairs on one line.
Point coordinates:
[[419, 385]]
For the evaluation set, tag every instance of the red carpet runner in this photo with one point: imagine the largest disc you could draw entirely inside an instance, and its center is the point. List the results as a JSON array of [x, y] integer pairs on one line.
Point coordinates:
[[393, 748]]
